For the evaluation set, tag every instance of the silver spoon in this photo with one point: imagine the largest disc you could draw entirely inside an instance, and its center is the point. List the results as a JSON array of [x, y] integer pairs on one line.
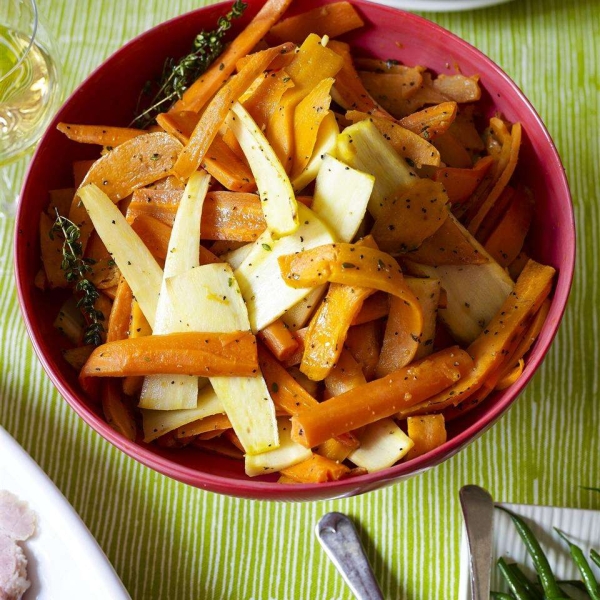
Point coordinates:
[[339, 538], [478, 513]]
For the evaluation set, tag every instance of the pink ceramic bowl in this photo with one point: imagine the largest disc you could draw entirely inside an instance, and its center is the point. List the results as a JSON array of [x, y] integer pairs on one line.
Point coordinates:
[[109, 96]]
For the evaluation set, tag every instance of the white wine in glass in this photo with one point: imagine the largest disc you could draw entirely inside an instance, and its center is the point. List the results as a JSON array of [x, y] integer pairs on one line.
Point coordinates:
[[29, 86]]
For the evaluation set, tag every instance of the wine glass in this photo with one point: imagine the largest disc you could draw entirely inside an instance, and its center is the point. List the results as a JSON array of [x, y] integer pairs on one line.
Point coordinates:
[[29, 87]]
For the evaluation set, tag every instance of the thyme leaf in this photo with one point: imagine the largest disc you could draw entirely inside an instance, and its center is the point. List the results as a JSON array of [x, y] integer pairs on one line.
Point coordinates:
[[76, 269], [177, 76]]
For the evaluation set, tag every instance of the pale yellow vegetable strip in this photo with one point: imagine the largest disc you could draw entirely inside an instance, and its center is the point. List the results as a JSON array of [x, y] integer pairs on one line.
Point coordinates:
[[208, 298], [158, 422], [382, 444], [341, 197], [274, 188], [264, 290], [172, 392], [136, 263], [288, 454]]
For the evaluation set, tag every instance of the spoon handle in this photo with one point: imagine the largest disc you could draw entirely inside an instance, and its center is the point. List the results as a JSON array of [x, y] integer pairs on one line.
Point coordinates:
[[478, 512], [337, 535]]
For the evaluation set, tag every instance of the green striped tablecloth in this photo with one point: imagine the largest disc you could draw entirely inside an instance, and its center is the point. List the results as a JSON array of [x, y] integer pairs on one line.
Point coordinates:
[[168, 540]]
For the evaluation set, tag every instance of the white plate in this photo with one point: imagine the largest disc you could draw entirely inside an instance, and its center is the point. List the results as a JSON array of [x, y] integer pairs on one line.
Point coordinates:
[[65, 561], [439, 5], [581, 527]]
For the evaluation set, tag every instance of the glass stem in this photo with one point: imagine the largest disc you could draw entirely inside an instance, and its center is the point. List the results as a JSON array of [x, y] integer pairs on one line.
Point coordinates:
[[8, 195]]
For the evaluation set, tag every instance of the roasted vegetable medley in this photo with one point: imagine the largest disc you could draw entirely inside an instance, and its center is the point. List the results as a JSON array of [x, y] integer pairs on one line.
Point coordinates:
[[308, 260]]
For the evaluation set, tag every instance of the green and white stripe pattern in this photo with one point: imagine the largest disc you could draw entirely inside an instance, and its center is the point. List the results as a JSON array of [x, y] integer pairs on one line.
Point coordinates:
[[170, 541]]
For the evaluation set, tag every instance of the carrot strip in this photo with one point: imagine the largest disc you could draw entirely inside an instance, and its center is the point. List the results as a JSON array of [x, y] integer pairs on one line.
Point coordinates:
[[279, 340], [60, 200], [411, 217], [296, 358], [338, 448], [427, 433], [138, 327], [98, 134], [208, 424], [498, 141], [207, 257], [458, 87], [219, 446], [180, 124], [287, 394], [311, 64], [161, 205], [506, 241], [380, 398], [497, 342], [392, 90], [502, 182], [51, 251], [190, 353], [195, 151], [80, 170], [350, 92], [461, 183], [154, 234], [364, 344], [394, 352], [328, 329], [447, 246], [134, 164], [232, 216], [464, 130], [511, 376], [105, 273], [332, 20], [229, 169], [287, 50], [316, 469], [424, 94], [355, 265], [308, 117], [266, 98], [406, 143], [329, 325], [452, 152], [530, 336], [116, 412], [204, 88], [374, 307], [346, 375], [118, 322], [383, 66], [498, 211]]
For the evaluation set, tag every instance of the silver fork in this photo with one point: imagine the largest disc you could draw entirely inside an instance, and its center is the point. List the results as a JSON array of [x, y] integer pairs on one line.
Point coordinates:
[[339, 538], [478, 513]]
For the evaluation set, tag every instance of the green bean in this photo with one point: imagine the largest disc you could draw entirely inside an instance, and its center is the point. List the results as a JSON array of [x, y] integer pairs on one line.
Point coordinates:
[[528, 585], [514, 583], [540, 561], [501, 596], [573, 583], [584, 567], [595, 557]]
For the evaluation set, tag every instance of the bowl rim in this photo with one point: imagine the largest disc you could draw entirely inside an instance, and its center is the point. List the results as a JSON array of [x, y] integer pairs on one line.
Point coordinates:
[[273, 490]]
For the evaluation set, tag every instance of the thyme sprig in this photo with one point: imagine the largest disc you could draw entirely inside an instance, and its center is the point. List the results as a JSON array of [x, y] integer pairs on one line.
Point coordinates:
[[76, 268], [178, 76]]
